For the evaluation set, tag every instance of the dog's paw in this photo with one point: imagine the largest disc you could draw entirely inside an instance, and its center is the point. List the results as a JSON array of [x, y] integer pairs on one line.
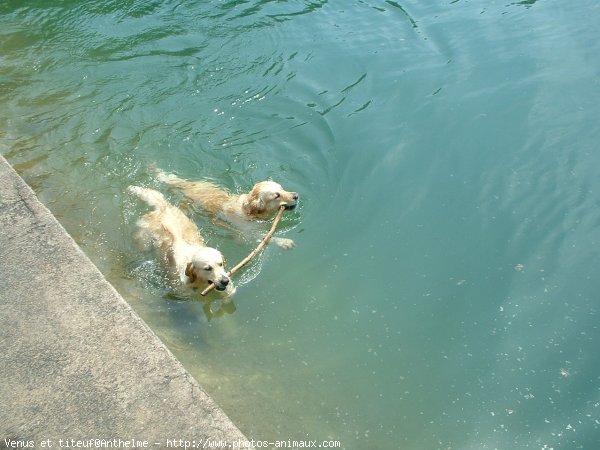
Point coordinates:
[[285, 243]]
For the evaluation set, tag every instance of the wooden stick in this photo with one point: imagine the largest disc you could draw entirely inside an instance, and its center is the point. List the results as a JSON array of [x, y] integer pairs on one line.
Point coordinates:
[[254, 252]]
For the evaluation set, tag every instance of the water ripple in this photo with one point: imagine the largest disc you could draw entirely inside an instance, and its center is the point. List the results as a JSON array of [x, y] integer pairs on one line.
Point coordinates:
[[447, 232]]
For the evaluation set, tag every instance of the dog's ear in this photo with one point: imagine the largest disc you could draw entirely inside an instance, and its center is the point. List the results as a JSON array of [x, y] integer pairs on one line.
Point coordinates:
[[189, 272], [254, 204]]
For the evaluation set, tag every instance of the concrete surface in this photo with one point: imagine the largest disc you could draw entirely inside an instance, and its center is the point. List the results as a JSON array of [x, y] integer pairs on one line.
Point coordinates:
[[76, 362]]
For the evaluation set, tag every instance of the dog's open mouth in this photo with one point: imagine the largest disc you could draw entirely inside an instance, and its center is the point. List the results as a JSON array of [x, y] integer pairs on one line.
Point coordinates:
[[218, 287], [290, 207]]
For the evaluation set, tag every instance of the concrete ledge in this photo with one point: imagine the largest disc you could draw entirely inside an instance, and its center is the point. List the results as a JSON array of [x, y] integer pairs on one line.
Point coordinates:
[[76, 362]]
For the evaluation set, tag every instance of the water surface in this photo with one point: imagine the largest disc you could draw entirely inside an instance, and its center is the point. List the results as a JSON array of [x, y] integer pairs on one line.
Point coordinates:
[[443, 293]]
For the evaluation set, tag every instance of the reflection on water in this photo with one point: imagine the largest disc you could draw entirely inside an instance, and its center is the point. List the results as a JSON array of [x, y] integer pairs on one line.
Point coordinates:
[[442, 293]]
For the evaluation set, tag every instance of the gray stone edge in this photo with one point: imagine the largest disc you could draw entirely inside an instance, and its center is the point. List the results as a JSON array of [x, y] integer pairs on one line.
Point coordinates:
[[76, 362]]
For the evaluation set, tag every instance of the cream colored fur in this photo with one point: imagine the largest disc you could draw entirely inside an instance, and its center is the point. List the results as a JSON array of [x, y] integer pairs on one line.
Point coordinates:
[[178, 241], [242, 211]]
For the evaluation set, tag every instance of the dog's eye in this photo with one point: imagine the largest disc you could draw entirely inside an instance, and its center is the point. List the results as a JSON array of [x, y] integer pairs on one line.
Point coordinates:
[[277, 195], [220, 264], [208, 268]]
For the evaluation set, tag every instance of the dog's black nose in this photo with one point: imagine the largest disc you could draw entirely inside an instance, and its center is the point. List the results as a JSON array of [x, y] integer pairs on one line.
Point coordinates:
[[224, 281], [295, 196]]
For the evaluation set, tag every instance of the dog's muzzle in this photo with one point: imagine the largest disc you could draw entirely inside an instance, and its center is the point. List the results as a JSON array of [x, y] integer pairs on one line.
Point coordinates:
[[289, 207], [222, 284]]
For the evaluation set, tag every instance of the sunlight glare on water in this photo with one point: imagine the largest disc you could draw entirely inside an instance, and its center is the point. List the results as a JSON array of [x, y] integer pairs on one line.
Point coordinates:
[[443, 293]]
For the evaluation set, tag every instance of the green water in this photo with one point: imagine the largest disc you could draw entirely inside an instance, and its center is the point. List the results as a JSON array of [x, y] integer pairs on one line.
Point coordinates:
[[444, 290]]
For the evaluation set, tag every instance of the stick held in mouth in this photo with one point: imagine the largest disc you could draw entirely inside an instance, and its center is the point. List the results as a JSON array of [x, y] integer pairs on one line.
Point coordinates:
[[254, 252]]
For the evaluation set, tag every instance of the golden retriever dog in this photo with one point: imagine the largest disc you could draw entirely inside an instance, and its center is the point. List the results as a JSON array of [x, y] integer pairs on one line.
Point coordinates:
[[242, 211], [178, 241]]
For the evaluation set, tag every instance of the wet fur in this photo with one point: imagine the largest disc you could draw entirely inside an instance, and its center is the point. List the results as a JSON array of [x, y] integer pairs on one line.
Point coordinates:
[[178, 241], [242, 211]]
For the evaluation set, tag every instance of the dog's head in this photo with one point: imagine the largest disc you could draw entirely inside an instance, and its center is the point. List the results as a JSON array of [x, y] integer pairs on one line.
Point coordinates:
[[266, 197], [208, 266]]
